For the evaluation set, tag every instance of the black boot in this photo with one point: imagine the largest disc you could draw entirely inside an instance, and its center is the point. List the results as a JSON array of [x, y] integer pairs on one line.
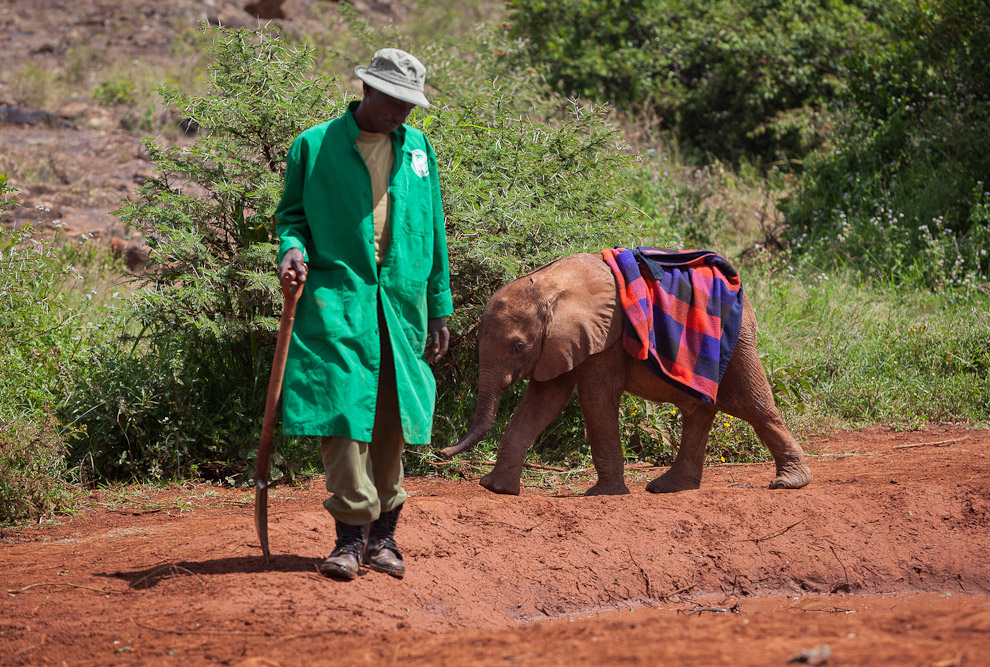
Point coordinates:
[[382, 554], [343, 561]]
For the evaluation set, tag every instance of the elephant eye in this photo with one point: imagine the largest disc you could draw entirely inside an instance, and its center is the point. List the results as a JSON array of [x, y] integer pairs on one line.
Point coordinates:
[[516, 347]]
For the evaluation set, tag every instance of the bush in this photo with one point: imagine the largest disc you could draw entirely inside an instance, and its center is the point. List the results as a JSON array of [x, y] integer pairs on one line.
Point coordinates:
[[730, 78], [116, 91], [187, 387], [41, 338], [527, 177], [32, 470], [519, 193], [902, 190]]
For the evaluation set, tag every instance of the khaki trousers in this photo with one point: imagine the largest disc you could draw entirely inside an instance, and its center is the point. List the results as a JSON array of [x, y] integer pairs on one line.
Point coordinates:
[[365, 478]]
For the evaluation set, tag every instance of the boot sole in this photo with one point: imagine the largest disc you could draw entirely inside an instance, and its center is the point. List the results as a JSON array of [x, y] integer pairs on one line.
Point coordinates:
[[398, 574], [338, 574]]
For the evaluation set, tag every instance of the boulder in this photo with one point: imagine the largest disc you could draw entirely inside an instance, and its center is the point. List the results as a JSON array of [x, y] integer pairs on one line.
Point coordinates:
[[266, 9]]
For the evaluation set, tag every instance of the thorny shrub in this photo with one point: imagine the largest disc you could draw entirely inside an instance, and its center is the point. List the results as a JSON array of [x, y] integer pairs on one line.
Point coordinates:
[[188, 386]]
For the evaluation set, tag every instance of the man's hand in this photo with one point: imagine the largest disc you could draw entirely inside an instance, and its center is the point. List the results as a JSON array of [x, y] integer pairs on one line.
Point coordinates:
[[437, 339], [292, 270]]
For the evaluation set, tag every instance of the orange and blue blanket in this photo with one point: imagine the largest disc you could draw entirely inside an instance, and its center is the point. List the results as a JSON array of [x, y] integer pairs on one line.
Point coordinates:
[[683, 314]]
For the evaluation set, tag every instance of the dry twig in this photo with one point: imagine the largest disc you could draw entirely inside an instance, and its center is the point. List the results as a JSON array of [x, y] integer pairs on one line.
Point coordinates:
[[537, 466], [642, 570], [665, 597], [757, 540], [698, 609], [166, 566], [940, 443], [843, 567], [47, 583]]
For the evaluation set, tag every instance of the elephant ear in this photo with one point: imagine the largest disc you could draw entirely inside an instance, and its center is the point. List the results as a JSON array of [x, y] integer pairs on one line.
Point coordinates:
[[583, 313]]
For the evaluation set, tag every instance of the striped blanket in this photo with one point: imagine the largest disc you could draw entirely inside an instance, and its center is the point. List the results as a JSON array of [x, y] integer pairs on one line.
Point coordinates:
[[683, 314]]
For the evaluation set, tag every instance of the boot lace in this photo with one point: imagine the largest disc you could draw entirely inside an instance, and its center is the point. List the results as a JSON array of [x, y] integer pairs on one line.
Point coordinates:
[[383, 533], [350, 540]]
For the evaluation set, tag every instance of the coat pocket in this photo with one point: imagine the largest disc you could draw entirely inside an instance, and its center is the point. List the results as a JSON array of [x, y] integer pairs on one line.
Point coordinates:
[[416, 252], [410, 300], [329, 308]]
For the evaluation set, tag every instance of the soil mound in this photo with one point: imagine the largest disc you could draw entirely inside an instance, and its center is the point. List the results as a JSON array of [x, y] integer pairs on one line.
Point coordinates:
[[883, 557]]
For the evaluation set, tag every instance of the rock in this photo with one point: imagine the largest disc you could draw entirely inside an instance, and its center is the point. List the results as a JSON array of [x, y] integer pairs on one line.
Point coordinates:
[[134, 254], [188, 126], [76, 108], [15, 116], [812, 656], [266, 9]]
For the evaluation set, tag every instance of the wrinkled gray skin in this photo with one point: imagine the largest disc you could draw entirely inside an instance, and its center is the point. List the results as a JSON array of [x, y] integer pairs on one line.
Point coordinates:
[[561, 326]]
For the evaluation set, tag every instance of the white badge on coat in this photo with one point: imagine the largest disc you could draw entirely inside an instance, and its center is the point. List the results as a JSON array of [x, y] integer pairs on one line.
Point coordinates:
[[420, 165]]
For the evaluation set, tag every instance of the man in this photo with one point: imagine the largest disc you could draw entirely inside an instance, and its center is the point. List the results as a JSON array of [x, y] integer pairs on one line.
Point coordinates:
[[361, 223]]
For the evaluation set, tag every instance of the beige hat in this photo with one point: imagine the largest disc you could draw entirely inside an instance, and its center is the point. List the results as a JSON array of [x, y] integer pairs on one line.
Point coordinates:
[[396, 73]]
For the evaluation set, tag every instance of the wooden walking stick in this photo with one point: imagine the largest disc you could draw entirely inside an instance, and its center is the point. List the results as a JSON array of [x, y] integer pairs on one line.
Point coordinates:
[[263, 461]]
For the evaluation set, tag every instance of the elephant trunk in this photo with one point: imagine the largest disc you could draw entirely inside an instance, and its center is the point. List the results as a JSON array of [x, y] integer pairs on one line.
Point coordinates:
[[484, 416]]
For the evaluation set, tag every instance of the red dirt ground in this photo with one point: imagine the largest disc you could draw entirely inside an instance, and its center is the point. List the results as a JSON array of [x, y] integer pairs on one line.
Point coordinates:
[[884, 557]]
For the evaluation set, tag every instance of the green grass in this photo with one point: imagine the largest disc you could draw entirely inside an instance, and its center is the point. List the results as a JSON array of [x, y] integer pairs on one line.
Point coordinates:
[[875, 353]]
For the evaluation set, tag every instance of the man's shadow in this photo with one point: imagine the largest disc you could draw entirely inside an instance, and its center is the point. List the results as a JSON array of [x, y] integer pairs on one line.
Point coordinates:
[[151, 576]]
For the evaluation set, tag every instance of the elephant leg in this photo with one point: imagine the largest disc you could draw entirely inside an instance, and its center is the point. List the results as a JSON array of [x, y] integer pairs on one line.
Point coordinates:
[[541, 404], [600, 389], [685, 473], [745, 393], [792, 471]]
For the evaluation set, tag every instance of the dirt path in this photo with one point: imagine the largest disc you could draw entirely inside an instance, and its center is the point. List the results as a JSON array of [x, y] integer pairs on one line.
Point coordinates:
[[885, 557]]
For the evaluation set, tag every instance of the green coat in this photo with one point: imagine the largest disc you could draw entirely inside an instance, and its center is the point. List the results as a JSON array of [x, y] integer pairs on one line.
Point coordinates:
[[331, 376]]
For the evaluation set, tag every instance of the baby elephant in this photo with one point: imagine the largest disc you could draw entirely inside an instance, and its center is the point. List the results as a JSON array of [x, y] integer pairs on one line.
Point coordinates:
[[561, 326]]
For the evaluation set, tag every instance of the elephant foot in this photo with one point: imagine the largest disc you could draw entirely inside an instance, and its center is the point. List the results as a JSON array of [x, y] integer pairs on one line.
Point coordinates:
[[500, 485], [791, 476], [615, 489], [668, 483]]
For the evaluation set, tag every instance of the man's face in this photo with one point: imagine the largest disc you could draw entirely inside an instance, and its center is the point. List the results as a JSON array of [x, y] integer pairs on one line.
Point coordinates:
[[384, 112]]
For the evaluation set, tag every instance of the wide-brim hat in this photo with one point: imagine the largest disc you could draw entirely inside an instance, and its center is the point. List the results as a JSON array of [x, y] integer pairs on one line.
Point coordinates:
[[396, 73]]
